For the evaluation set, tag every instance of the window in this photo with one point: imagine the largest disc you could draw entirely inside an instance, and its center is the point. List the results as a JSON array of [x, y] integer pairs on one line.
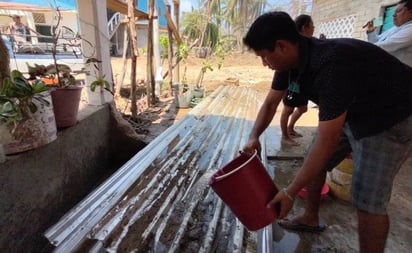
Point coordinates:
[[39, 18], [44, 30], [388, 18]]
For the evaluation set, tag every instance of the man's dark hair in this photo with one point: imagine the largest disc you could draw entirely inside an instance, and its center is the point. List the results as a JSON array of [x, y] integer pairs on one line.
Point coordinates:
[[408, 3], [302, 21], [268, 28]]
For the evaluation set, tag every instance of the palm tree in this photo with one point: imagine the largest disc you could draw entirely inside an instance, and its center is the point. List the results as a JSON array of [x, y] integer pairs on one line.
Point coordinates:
[[236, 15], [240, 14], [196, 25]]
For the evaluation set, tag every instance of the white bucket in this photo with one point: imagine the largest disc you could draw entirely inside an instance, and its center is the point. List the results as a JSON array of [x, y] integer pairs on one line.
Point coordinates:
[[35, 131]]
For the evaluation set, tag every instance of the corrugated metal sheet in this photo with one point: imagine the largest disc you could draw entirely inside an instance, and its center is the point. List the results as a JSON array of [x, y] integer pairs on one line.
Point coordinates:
[[159, 201]]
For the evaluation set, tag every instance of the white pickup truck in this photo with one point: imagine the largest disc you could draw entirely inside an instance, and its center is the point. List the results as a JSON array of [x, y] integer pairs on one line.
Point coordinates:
[[38, 56]]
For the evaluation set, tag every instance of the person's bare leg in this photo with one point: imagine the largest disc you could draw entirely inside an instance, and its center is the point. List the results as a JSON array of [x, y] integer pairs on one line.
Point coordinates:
[[294, 118], [310, 216], [373, 231], [284, 118]]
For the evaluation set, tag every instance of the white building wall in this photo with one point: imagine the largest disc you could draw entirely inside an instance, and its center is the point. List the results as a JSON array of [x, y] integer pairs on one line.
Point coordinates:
[[337, 18]]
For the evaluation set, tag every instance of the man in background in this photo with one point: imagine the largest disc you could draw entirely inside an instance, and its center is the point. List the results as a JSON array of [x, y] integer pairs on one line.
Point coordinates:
[[397, 40], [294, 103], [19, 32]]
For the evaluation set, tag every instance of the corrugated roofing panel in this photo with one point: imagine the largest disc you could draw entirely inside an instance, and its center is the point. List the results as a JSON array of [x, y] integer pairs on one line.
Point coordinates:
[[159, 200]]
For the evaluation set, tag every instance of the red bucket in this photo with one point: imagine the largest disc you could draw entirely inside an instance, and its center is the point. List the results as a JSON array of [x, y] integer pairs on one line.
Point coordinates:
[[245, 186]]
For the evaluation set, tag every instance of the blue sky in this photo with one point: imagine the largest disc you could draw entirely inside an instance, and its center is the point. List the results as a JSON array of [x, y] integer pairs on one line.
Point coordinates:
[[186, 5]]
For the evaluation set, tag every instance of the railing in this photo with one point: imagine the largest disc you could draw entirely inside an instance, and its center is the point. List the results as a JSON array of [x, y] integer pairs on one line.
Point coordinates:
[[65, 45], [114, 23]]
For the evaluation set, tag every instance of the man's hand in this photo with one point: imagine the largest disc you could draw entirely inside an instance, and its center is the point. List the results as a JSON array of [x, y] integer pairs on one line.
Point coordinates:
[[370, 28], [252, 145], [284, 200]]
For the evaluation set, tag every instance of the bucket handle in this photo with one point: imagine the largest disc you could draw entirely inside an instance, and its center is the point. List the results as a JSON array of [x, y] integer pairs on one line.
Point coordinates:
[[218, 178]]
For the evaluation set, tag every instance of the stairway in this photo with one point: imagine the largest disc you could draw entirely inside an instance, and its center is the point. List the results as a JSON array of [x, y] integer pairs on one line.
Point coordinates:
[[114, 23]]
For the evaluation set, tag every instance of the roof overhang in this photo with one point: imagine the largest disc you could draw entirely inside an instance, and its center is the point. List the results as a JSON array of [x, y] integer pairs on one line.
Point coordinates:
[[21, 7], [119, 6]]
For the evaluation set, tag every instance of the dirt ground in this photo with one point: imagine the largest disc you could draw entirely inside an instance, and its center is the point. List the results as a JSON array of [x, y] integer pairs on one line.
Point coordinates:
[[245, 68], [341, 235]]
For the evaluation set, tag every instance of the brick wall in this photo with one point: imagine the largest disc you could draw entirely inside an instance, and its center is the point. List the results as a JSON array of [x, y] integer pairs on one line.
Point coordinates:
[[345, 18]]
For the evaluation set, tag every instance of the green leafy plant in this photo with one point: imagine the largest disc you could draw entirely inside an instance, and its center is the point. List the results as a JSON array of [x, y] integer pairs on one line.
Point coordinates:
[[183, 51], [207, 65], [59, 75], [164, 43], [100, 81], [220, 53], [16, 98]]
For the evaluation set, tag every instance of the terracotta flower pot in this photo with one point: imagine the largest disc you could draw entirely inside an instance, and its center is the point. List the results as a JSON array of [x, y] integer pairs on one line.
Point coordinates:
[[66, 105]]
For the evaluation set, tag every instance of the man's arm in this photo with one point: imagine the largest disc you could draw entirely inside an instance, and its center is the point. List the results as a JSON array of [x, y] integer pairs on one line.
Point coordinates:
[[328, 137], [32, 30], [10, 28], [372, 37], [371, 32], [325, 144], [266, 113]]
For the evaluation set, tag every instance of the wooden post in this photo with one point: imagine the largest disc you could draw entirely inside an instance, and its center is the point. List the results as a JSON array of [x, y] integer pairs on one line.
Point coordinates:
[[176, 10], [151, 98], [132, 26], [124, 60], [170, 54]]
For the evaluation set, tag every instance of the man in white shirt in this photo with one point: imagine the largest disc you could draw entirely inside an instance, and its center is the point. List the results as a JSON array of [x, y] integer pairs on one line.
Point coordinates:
[[397, 40], [19, 31]]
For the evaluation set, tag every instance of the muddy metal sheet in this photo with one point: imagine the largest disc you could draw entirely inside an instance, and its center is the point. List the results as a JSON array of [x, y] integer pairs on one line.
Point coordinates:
[[159, 201]]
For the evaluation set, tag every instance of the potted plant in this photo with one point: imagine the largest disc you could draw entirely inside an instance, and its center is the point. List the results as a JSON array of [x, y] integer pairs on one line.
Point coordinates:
[[199, 90], [65, 91], [26, 114]]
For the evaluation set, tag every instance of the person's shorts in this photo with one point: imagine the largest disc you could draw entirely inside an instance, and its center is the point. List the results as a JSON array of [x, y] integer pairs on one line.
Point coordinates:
[[376, 161], [296, 100]]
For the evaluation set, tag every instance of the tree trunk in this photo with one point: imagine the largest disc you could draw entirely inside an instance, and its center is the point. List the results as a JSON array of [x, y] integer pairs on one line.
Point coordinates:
[[4, 63], [151, 98], [132, 27], [170, 55]]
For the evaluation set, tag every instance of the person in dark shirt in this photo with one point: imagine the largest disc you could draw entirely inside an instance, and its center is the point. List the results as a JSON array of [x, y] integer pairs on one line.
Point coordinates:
[[364, 100], [294, 103]]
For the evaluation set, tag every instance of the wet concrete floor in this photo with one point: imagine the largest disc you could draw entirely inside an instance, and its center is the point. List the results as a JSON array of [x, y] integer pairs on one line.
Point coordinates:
[[341, 232]]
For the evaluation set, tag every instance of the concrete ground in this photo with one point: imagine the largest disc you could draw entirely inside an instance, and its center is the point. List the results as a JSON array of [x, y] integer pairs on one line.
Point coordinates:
[[339, 215]]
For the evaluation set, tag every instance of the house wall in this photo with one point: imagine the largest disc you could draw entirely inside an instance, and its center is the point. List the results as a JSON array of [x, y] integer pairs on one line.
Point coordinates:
[[69, 19], [336, 18]]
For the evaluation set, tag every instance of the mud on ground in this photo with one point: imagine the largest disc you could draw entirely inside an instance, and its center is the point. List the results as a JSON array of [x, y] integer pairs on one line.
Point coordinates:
[[246, 68]]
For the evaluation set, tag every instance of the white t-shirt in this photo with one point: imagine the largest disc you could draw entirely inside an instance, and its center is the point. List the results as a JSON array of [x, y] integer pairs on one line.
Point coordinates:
[[396, 41], [19, 32]]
